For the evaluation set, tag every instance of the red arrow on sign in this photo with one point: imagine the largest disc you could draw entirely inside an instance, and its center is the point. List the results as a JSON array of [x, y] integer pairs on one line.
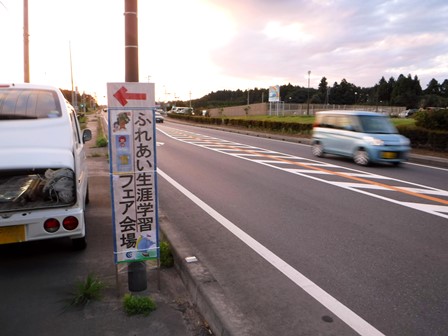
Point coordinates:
[[122, 96]]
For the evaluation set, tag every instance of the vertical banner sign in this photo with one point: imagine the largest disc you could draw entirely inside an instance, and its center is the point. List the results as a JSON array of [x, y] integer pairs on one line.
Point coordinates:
[[274, 93], [132, 154]]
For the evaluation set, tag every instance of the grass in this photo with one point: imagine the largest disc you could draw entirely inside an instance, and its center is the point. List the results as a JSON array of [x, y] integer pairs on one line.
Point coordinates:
[[403, 121], [166, 257], [101, 140], [138, 305], [88, 290], [297, 119], [310, 119]]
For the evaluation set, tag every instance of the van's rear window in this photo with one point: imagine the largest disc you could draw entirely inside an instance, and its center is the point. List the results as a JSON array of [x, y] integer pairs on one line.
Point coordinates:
[[16, 103]]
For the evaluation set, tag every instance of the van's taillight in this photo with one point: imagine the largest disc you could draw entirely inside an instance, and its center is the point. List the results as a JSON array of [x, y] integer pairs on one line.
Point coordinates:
[[70, 223], [51, 225]]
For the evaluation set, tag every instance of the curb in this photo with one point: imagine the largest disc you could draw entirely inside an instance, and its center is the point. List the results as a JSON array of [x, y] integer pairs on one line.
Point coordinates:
[[223, 317]]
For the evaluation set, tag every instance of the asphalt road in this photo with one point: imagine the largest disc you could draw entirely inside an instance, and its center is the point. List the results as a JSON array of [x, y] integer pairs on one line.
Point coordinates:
[[309, 247]]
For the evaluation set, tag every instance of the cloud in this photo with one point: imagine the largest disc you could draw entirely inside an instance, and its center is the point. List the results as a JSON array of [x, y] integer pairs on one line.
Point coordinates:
[[200, 46], [358, 41]]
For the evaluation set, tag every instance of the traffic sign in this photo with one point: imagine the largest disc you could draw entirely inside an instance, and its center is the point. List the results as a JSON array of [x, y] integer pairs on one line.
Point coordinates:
[[132, 154], [130, 95]]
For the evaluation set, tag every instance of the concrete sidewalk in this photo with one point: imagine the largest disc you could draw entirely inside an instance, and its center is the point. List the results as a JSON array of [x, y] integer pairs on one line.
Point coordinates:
[[175, 314]]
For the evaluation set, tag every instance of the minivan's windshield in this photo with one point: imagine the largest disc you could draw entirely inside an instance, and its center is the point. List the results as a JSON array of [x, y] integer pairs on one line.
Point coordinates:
[[376, 124], [17, 103]]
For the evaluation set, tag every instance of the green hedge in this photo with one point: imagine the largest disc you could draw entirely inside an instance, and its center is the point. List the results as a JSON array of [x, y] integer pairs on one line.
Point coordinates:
[[424, 138], [267, 125]]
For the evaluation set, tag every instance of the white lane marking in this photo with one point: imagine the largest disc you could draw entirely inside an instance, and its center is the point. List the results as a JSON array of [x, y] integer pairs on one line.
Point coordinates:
[[426, 166], [354, 321], [312, 173]]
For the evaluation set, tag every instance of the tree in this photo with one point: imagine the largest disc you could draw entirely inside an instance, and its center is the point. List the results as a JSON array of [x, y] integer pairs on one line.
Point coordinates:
[[444, 89], [406, 92], [322, 91], [433, 88]]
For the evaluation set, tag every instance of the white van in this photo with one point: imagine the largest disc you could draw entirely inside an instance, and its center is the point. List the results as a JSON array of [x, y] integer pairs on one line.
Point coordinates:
[[43, 170], [367, 137]]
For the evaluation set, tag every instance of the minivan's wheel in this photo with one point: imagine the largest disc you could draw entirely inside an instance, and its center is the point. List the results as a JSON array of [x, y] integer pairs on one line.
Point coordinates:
[[361, 157], [318, 149]]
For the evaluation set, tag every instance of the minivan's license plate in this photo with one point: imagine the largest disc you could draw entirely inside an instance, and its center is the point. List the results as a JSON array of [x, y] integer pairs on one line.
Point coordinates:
[[12, 234], [389, 155]]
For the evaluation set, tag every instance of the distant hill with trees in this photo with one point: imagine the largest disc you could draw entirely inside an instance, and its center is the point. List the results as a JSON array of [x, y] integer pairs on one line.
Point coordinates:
[[403, 91]]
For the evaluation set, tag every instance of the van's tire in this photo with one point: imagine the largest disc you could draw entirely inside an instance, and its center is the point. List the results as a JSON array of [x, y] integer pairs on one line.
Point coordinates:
[[361, 157], [318, 149], [87, 199], [79, 244]]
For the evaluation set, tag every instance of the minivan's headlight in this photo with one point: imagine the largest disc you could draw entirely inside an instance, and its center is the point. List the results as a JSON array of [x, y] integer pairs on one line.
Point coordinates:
[[373, 141]]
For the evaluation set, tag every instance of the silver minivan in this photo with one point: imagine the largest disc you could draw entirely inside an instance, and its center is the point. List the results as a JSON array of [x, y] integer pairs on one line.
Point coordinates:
[[367, 137], [43, 170]]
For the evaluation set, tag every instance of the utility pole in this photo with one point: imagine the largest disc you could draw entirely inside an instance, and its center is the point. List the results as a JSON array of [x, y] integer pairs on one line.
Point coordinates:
[[26, 43], [308, 95], [131, 40], [71, 73], [136, 270]]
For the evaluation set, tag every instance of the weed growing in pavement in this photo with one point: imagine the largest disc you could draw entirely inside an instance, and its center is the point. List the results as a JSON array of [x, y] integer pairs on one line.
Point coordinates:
[[166, 257], [101, 140], [87, 291], [136, 305]]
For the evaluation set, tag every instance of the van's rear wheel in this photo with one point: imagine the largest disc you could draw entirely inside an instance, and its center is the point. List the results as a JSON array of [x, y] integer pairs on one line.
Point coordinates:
[[318, 149], [87, 199], [79, 243], [361, 157]]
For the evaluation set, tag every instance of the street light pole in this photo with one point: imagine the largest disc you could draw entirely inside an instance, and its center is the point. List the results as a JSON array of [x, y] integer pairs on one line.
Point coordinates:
[[308, 95]]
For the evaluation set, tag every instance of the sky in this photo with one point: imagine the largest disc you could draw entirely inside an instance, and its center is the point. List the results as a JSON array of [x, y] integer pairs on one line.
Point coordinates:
[[190, 48]]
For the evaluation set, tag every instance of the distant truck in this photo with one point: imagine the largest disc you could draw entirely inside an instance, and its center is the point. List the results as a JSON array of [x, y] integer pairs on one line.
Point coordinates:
[[182, 110]]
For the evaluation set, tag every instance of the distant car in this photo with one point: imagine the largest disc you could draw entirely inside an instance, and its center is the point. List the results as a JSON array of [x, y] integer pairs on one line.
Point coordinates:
[[408, 113], [366, 137], [159, 117]]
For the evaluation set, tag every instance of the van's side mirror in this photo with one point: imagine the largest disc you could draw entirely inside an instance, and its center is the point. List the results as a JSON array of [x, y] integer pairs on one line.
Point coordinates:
[[86, 135]]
